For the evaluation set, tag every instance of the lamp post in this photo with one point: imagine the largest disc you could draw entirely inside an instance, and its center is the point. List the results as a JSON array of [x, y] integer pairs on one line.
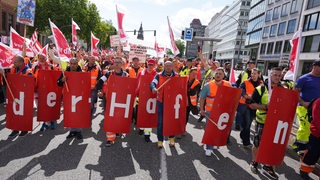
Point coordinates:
[[241, 37]]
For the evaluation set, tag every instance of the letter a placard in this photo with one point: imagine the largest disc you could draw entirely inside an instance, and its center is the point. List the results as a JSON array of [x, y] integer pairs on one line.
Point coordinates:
[[49, 94], [147, 109], [77, 101], [277, 128], [221, 116], [174, 106], [120, 100], [19, 112]]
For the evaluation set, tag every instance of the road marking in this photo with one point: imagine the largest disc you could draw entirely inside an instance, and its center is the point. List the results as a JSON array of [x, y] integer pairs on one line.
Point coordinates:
[[163, 165]]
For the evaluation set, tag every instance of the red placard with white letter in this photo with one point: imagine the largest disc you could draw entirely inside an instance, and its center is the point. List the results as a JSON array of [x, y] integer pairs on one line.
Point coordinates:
[[120, 100], [175, 106], [221, 116], [277, 128], [19, 112], [77, 100], [147, 109], [49, 94]]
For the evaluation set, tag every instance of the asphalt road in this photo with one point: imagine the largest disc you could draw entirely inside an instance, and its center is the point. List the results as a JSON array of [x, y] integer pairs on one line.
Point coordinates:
[[49, 155]]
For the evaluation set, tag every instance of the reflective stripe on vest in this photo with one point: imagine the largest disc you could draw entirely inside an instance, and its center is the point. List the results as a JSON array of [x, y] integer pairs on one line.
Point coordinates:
[[193, 99], [213, 90], [262, 114], [244, 76], [94, 75]]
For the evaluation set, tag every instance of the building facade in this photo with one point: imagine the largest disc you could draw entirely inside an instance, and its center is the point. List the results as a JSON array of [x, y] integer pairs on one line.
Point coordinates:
[[9, 18], [192, 46], [281, 21]]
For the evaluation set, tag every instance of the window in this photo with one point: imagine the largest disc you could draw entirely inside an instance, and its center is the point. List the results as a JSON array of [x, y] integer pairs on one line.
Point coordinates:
[[294, 7], [270, 47], [291, 26], [245, 52], [243, 3], [273, 30], [241, 13], [276, 12], [236, 52], [286, 47], [239, 33], [4, 20], [238, 42], [263, 48], [246, 13], [307, 43], [281, 28], [284, 10], [277, 49], [268, 15], [313, 21], [313, 3], [248, 3], [265, 32], [311, 43], [306, 23], [270, 1]]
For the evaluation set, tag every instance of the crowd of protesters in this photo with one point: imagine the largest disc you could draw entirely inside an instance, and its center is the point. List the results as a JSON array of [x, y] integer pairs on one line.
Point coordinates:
[[204, 78]]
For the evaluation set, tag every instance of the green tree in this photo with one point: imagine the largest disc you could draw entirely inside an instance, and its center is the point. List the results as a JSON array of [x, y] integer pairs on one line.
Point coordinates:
[[181, 46]]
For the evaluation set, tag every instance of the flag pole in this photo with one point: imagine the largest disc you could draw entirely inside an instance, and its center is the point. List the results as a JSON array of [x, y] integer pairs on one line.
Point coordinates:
[[5, 79]]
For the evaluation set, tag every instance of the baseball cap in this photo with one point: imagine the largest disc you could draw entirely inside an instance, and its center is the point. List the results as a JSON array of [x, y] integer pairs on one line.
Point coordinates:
[[251, 62], [151, 61]]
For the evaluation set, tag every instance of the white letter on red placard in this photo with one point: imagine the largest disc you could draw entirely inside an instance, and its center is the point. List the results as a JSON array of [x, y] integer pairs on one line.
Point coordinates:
[[21, 105], [177, 106], [223, 120], [151, 105], [119, 105], [74, 101], [281, 125], [51, 99]]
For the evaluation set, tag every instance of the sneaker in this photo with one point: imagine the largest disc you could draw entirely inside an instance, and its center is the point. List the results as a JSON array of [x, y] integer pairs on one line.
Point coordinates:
[[52, 125], [254, 167], [171, 142], [23, 133], [304, 175], [14, 134], [141, 132], [268, 171], [71, 134], [147, 138], [160, 144], [109, 143], [44, 127], [208, 152], [79, 135]]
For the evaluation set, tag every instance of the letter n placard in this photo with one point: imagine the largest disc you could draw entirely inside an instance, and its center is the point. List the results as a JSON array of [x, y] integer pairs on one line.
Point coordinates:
[[120, 100], [277, 128], [19, 111]]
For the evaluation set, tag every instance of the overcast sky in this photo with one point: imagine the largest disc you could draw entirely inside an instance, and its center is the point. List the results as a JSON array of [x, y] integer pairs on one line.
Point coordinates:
[[153, 13]]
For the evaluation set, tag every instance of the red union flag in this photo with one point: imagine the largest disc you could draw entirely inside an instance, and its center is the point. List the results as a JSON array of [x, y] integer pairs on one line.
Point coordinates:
[[60, 41], [175, 49], [75, 27], [17, 41], [77, 101], [6, 56], [175, 106], [121, 96], [221, 117], [147, 109], [49, 95], [94, 45], [277, 128], [19, 111], [294, 56], [120, 16]]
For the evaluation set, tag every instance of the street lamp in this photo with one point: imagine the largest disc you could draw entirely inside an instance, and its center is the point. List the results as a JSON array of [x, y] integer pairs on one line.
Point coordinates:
[[241, 37]]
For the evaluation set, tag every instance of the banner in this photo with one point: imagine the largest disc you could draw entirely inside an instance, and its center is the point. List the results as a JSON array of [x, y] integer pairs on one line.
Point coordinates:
[[175, 49], [76, 102], [121, 32], [26, 12], [295, 43], [60, 42], [138, 51], [94, 45], [35, 44], [6, 56], [277, 128], [114, 40], [147, 108], [49, 95], [175, 106], [19, 111], [159, 50], [120, 100], [75, 27], [221, 116], [17, 41]]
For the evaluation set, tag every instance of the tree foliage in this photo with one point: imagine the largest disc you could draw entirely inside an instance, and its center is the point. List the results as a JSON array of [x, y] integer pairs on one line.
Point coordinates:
[[181, 46], [84, 13]]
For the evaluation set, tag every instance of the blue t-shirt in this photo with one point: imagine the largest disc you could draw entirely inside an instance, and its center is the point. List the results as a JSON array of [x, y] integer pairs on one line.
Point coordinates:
[[310, 87]]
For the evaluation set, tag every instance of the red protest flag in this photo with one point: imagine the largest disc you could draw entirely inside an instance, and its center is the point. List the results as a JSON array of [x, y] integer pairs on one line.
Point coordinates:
[[94, 45], [221, 116], [6, 56], [60, 41], [19, 112], [17, 41], [121, 96], [175, 106], [49, 95], [121, 32], [77, 100], [147, 108], [277, 127], [295, 43], [75, 27], [175, 49]]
